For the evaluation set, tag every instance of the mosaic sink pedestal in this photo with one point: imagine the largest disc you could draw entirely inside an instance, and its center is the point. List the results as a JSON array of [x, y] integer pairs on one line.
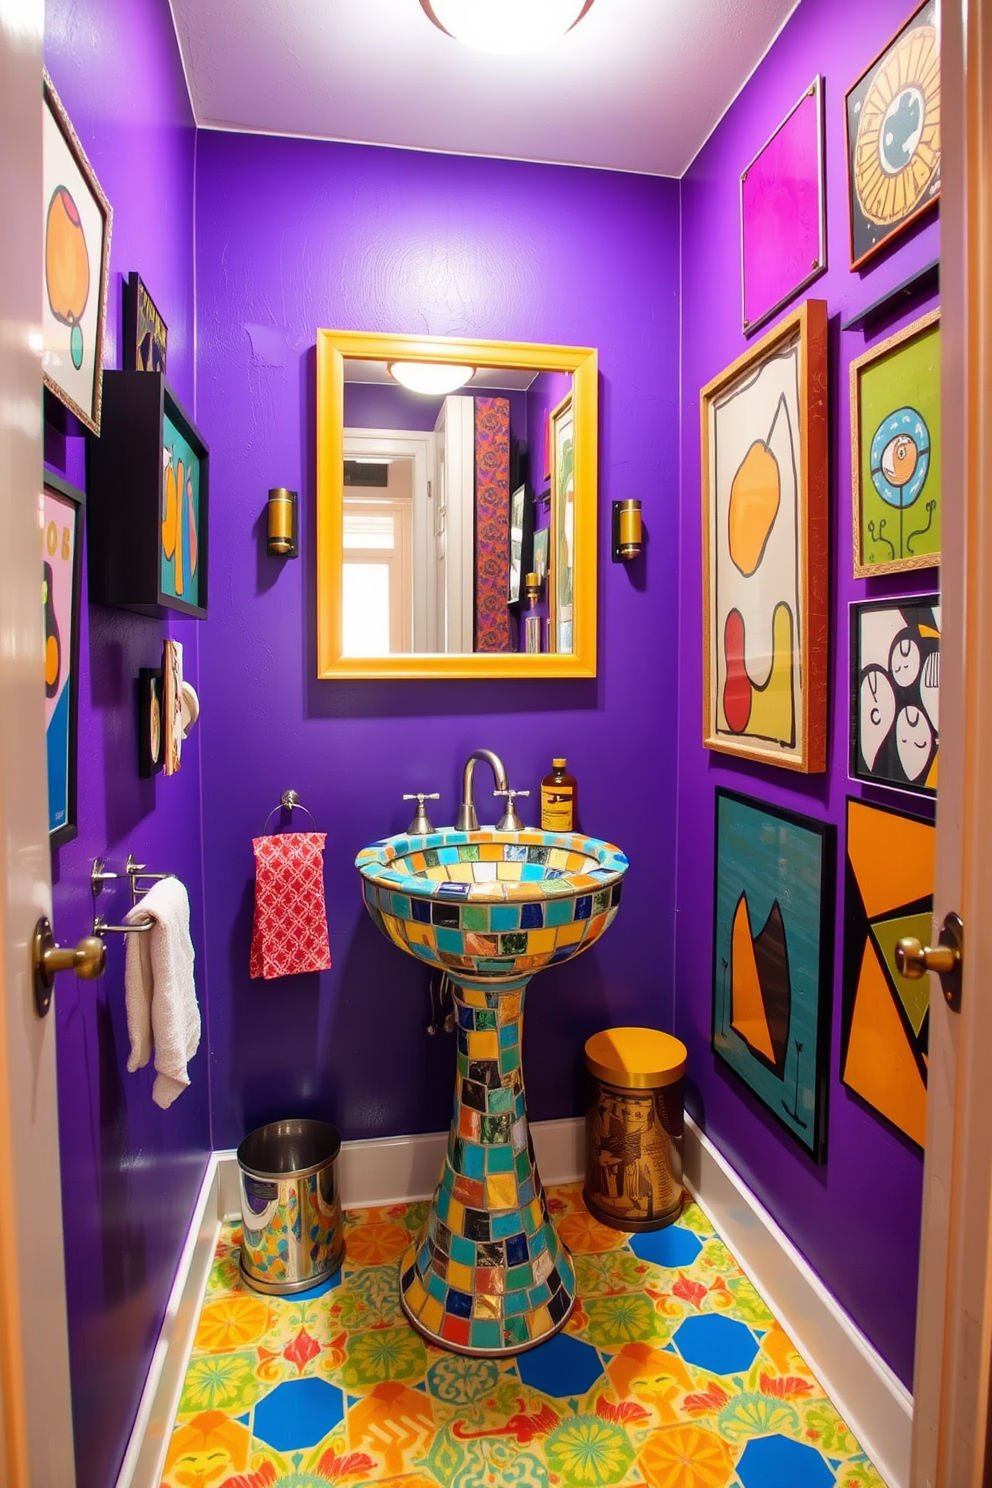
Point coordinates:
[[488, 1274]]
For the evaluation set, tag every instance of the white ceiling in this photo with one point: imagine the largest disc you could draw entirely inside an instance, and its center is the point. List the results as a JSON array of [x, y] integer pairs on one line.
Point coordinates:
[[638, 85]]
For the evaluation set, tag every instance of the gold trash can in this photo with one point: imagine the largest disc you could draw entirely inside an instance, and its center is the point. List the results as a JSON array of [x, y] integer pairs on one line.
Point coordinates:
[[634, 1124]]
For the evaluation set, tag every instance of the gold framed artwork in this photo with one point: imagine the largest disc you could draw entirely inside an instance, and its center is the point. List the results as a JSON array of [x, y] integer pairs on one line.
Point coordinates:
[[895, 451], [893, 135], [765, 557], [77, 226]]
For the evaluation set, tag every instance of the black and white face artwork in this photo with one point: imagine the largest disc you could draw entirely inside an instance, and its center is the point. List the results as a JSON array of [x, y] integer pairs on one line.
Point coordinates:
[[895, 663]]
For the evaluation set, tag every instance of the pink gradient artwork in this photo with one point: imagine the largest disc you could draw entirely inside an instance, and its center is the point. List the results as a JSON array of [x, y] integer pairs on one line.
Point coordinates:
[[783, 242]]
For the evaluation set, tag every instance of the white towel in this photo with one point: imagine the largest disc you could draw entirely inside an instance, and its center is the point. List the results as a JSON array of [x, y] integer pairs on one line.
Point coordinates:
[[159, 993]]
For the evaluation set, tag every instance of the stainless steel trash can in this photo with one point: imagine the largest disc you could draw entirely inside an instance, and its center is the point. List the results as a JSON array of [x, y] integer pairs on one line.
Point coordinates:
[[634, 1126], [290, 1206]]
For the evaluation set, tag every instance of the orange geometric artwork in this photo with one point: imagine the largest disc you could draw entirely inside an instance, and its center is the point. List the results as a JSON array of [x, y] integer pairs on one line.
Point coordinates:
[[886, 1021]]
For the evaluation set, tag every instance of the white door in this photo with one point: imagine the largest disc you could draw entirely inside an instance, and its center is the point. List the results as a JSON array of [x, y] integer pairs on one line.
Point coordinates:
[[954, 1333], [454, 525], [36, 1420]]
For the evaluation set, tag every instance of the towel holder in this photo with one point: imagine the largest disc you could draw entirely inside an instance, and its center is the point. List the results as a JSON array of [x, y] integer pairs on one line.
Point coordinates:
[[133, 871], [289, 801]]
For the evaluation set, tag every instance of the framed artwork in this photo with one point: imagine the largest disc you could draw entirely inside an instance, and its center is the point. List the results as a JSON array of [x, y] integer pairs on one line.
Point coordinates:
[[151, 736], [895, 692], [532, 634], [562, 524], [61, 556], [888, 893], [146, 334], [772, 942], [764, 461], [783, 213], [893, 135], [520, 541], [895, 451], [541, 540], [78, 220], [172, 706], [148, 501]]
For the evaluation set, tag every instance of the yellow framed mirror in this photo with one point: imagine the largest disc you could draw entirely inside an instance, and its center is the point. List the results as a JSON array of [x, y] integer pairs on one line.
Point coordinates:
[[368, 548]]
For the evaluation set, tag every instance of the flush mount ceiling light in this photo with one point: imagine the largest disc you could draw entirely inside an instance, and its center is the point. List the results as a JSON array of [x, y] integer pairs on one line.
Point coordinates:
[[430, 377], [506, 26]]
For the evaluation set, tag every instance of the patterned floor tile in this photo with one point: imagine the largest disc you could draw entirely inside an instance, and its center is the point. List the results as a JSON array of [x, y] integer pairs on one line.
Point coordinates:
[[670, 1373]]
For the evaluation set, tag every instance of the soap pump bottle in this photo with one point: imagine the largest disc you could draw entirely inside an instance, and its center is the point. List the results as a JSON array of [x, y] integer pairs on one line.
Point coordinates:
[[559, 799]]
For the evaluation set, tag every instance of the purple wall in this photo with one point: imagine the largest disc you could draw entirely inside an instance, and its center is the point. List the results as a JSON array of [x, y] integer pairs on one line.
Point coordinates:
[[130, 1172], [858, 1218], [375, 239]]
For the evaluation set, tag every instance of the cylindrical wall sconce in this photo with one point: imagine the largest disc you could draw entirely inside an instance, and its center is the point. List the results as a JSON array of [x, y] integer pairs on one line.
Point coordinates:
[[281, 525], [628, 531], [532, 588]]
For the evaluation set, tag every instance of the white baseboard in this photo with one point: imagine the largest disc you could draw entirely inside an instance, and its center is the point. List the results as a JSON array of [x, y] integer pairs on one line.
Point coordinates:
[[872, 1400], [876, 1405]]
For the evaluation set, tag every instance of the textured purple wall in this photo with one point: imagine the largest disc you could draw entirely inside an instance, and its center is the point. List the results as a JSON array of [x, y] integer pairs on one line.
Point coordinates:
[[857, 1219], [130, 1172], [373, 239]]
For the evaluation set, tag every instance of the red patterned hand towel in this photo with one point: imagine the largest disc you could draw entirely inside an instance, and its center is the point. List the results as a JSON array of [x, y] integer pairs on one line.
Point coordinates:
[[290, 930]]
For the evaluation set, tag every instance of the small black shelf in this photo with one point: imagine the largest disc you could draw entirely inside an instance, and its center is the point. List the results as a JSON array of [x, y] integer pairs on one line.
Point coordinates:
[[924, 282]]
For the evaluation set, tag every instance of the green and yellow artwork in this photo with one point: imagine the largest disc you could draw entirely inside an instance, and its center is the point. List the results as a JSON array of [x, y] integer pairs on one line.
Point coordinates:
[[895, 417]]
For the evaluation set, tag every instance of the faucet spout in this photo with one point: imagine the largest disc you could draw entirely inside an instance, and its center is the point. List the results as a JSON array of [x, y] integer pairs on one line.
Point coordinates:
[[467, 820]]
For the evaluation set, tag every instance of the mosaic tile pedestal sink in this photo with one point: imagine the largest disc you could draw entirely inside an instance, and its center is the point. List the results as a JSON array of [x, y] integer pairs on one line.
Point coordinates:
[[488, 1274]]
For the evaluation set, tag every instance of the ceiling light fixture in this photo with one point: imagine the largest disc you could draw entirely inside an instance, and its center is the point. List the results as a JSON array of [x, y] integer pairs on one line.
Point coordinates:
[[506, 26], [430, 377]]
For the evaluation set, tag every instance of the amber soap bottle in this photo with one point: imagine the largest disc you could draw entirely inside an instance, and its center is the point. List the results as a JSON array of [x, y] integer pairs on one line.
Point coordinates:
[[559, 799]]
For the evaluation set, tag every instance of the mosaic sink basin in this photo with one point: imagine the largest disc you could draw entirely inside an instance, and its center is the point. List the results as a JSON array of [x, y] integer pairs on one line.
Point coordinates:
[[492, 904]]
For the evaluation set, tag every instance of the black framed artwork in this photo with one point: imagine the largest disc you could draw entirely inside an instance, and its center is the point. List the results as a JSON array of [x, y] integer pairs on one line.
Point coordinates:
[[895, 692], [61, 594], [772, 955], [148, 501], [146, 335], [520, 519], [151, 754]]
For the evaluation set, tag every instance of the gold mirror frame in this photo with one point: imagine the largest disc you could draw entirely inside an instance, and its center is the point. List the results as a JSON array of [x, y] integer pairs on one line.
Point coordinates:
[[581, 361]]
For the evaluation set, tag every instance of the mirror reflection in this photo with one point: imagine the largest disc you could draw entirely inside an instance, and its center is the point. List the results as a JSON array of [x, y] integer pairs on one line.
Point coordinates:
[[456, 530]]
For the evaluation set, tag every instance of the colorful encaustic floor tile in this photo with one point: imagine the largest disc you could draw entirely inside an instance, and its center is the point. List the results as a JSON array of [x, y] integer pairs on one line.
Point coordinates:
[[670, 1372]]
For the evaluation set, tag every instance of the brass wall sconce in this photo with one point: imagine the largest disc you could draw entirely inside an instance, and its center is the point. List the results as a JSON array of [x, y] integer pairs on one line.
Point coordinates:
[[281, 539], [532, 588], [628, 530]]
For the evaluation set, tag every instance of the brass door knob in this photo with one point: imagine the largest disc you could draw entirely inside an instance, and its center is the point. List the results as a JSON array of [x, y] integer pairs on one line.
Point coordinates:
[[87, 960], [914, 960]]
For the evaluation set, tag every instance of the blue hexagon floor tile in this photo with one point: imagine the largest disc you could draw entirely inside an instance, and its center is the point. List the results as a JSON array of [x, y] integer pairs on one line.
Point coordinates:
[[670, 1371]]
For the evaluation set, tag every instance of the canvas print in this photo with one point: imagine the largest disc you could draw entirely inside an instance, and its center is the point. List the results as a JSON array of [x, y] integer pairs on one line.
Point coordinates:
[[146, 335], [895, 692], [893, 135], [76, 266], [562, 524], [540, 560], [60, 588], [895, 450], [888, 894], [772, 945], [181, 483], [783, 213], [765, 547]]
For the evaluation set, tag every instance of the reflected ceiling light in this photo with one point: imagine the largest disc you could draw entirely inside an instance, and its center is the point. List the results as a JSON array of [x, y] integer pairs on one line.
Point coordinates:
[[430, 377], [506, 25]]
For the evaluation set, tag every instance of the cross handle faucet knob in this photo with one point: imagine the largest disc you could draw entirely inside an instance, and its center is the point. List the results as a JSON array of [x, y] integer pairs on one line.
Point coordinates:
[[510, 821], [421, 823]]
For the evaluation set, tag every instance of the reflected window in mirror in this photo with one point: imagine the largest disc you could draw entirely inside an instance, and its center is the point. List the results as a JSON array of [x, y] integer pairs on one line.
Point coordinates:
[[425, 504]]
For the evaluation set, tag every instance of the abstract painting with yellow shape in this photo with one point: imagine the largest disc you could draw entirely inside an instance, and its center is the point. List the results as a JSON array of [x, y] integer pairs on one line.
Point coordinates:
[[764, 493], [886, 1018], [771, 959]]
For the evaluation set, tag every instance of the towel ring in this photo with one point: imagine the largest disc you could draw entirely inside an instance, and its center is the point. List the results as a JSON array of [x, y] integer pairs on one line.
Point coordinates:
[[289, 801]]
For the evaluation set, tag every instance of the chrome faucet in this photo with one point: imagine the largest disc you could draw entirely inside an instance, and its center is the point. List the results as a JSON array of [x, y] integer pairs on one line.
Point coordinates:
[[467, 819]]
